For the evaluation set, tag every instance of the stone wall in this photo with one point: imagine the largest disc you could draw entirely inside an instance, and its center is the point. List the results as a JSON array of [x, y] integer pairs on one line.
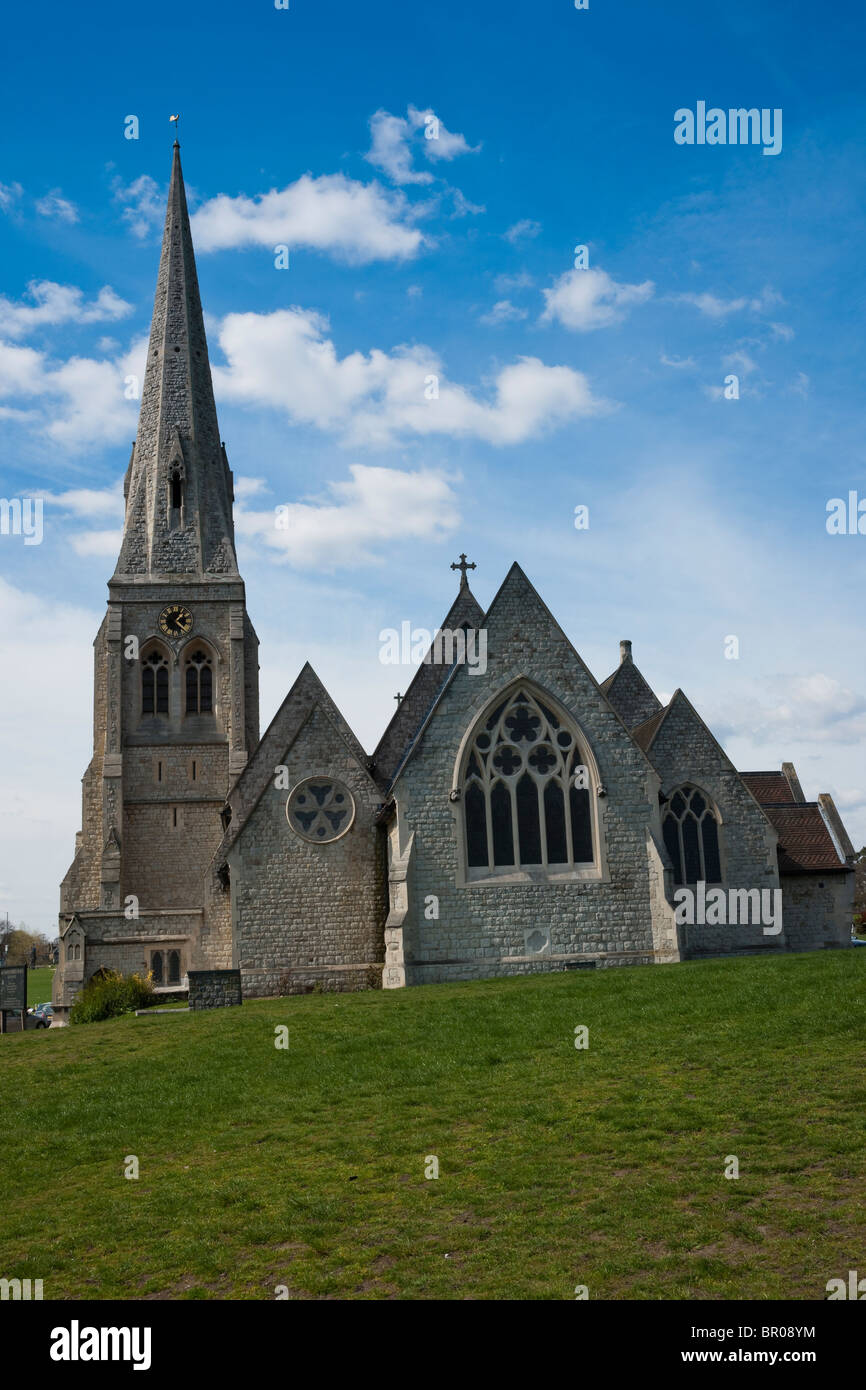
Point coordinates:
[[214, 989], [522, 927], [683, 751], [317, 909], [817, 911]]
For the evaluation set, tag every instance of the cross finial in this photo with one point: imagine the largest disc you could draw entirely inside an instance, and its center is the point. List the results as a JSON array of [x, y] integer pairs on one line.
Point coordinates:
[[463, 567], [399, 698]]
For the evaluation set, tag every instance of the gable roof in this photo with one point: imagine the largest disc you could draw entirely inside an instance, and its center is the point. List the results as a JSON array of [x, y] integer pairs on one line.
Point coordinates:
[[306, 695], [630, 693], [514, 585], [644, 734], [805, 843], [770, 788], [423, 692]]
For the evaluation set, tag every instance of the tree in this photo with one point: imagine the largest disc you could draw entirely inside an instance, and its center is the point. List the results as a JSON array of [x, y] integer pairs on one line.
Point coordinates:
[[860, 886]]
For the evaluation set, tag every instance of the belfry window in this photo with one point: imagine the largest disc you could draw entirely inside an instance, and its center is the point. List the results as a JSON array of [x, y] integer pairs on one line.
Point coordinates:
[[199, 683], [691, 834], [154, 684], [175, 496], [521, 805]]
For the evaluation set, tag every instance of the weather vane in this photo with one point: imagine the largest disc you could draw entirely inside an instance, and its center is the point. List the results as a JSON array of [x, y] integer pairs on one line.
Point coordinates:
[[176, 120]]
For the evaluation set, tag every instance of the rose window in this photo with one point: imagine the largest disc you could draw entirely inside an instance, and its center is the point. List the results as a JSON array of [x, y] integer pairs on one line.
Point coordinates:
[[320, 809]]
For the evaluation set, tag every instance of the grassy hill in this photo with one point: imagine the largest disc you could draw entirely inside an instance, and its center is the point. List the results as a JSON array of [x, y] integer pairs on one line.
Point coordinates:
[[39, 984], [558, 1167]]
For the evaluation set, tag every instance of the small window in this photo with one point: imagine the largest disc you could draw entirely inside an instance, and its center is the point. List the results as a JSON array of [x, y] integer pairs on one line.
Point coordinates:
[[154, 684], [156, 966], [199, 683], [174, 968]]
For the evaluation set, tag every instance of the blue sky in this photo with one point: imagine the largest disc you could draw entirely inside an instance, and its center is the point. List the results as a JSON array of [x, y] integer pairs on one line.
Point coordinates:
[[451, 257]]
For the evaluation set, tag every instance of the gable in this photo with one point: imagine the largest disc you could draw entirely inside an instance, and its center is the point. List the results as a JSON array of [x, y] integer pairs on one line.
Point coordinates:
[[423, 691], [524, 642], [307, 701], [631, 696]]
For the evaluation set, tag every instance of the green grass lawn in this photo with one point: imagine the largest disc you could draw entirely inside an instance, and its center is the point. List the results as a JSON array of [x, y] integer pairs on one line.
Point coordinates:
[[558, 1167], [39, 984]]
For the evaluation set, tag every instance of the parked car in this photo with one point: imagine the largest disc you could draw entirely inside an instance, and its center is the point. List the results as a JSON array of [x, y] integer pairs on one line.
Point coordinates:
[[43, 1014]]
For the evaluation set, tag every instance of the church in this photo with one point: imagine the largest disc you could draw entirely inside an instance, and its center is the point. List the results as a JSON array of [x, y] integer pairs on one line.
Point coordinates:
[[518, 818]]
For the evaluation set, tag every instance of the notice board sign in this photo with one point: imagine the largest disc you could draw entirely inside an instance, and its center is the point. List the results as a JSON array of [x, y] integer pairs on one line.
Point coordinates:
[[13, 987]]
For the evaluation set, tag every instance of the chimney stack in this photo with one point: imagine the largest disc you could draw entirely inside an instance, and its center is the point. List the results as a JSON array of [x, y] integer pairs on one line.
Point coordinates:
[[624, 651]]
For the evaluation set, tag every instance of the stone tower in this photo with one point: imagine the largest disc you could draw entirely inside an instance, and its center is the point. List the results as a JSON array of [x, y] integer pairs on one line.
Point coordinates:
[[175, 673]]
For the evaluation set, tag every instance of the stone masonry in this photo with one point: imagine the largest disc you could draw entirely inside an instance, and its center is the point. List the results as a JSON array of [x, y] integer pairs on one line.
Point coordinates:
[[297, 861]]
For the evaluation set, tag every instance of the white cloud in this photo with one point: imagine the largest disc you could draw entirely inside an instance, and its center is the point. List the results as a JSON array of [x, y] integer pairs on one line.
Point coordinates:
[[677, 361], [249, 487], [741, 360], [357, 222], [800, 385], [89, 502], [712, 307], [588, 299], [144, 200], [53, 304], [522, 231], [505, 284], [21, 371], [99, 543], [441, 143], [395, 139], [463, 207], [41, 805], [504, 311], [83, 404], [286, 360], [390, 150], [358, 519], [56, 206], [813, 708], [9, 194]]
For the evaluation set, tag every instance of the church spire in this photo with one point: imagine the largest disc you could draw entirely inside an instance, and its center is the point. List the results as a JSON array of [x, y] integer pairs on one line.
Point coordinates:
[[178, 486]]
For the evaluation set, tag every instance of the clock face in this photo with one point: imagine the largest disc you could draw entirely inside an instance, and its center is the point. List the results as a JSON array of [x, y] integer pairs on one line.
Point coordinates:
[[175, 620]]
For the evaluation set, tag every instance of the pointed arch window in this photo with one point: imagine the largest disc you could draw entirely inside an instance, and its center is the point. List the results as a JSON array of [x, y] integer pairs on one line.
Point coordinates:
[[521, 807], [174, 968], [199, 682], [175, 496], [154, 683], [690, 828], [156, 966]]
